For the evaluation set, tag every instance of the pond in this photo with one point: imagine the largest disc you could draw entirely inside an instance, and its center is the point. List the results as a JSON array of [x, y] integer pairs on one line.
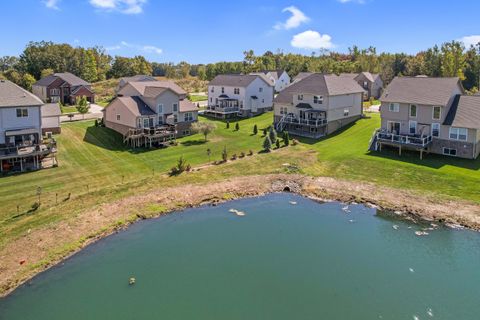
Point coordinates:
[[288, 257]]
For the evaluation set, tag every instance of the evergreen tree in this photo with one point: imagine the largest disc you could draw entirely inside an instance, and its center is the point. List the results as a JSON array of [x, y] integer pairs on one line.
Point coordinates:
[[255, 129], [286, 138], [267, 144], [237, 126], [277, 144], [228, 124], [273, 134]]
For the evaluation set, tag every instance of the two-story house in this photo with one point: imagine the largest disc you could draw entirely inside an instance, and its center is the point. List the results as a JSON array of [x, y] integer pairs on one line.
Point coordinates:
[[63, 87], [137, 78], [150, 112], [232, 95], [21, 143], [317, 105], [429, 115], [279, 78], [371, 82]]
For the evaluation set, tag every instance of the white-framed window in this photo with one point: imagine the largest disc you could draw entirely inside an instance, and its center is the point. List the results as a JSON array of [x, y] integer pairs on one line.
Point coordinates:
[[283, 110], [300, 97], [160, 108], [236, 90], [365, 84], [22, 113], [458, 134], [394, 107], [55, 92], [413, 111], [436, 113], [139, 122], [212, 90], [412, 127], [175, 118], [146, 123], [260, 89], [346, 112], [435, 129], [449, 151], [211, 100], [318, 99], [175, 107], [160, 120], [188, 116], [118, 117], [186, 132], [223, 90]]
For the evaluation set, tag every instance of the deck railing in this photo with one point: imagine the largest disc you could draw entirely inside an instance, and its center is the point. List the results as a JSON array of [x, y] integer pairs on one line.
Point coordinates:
[[23, 151], [310, 122], [223, 109], [414, 140]]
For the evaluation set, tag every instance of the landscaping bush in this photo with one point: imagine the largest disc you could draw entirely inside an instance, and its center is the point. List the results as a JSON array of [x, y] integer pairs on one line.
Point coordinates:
[[96, 122], [250, 153], [255, 129], [228, 124], [264, 131], [286, 138], [237, 126], [273, 135], [224, 154], [242, 154], [277, 144], [267, 144], [234, 156], [180, 167], [294, 142]]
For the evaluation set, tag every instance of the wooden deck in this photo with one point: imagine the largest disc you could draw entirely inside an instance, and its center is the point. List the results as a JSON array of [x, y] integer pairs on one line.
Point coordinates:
[[148, 137]]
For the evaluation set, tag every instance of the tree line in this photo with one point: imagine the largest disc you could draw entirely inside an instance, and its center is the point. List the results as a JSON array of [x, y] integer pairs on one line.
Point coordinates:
[[451, 59]]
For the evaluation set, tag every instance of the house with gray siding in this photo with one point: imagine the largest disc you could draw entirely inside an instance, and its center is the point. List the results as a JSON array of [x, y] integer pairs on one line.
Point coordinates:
[[279, 78], [430, 115], [22, 146], [232, 95], [317, 104], [150, 113], [371, 82]]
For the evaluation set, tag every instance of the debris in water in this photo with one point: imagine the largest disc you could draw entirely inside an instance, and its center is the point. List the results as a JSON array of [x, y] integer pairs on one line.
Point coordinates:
[[398, 212], [421, 233], [293, 202], [345, 209], [415, 317], [434, 225], [411, 270], [454, 226], [237, 212], [395, 227], [131, 281], [430, 312], [351, 221]]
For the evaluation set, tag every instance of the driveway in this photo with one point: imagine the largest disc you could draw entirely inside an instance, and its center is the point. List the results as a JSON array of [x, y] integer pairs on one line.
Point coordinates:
[[95, 112]]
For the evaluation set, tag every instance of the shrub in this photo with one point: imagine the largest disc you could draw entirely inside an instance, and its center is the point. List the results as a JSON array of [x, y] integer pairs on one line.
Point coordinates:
[[277, 144], [234, 156], [250, 153], [224, 154], [228, 124], [286, 138], [188, 168], [267, 144], [242, 154], [255, 129], [204, 128], [273, 135], [237, 126], [180, 167], [264, 131], [96, 122]]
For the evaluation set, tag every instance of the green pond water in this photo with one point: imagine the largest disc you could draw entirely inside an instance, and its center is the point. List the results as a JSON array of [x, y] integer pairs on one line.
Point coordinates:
[[279, 261]]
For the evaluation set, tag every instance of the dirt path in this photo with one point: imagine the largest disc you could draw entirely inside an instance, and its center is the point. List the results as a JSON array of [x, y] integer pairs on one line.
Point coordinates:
[[46, 246]]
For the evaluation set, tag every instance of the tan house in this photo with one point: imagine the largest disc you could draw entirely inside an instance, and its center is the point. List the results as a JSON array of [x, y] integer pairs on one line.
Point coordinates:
[[431, 115], [150, 113], [317, 105]]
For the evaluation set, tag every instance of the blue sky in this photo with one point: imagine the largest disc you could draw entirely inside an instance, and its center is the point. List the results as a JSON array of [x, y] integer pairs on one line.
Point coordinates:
[[210, 31]]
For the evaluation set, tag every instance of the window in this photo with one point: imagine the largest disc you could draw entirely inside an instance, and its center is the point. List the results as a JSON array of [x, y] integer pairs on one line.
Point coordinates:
[[300, 97], [188, 116], [318, 99], [458, 134], [449, 151], [55, 92], [236, 91], [394, 107], [212, 90], [436, 113], [211, 100], [365, 84], [139, 122], [283, 110], [160, 108], [412, 125], [118, 117], [413, 111], [175, 118], [145, 123], [223, 90], [175, 107], [186, 132], [346, 112], [22, 113], [260, 89], [263, 100], [435, 129]]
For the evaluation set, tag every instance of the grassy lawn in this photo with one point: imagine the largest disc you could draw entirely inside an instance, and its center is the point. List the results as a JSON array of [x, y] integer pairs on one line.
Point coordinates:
[[367, 104], [69, 109], [196, 98], [94, 163]]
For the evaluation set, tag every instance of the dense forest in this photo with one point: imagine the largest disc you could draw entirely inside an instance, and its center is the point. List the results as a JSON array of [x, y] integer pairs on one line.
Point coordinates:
[[94, 64]]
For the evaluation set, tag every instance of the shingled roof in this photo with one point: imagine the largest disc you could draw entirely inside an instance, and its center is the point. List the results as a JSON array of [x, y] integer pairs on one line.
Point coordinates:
[[135, 105], [155, 88], [464, 112], [421, 90], [68, 77], [237, 80], [12, 95], [319, 84]]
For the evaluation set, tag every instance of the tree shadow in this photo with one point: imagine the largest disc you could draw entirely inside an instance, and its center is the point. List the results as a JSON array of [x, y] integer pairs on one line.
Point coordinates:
[[193, 142], [312, 141]]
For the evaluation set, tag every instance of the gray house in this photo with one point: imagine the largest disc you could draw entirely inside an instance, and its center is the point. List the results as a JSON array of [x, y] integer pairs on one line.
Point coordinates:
[[317, 105], [371, 82], [138, 78], [430, 115], [22, 146]]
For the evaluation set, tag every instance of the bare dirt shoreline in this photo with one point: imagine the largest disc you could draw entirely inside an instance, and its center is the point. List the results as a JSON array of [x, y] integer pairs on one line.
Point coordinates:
[[44, 247]]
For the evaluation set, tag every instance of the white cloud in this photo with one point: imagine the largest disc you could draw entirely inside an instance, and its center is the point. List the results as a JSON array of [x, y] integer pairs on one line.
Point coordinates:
[[52, 4], [136, 47], [470, 40], [312, 40], [353, 1], [123, 6], [296, 19]]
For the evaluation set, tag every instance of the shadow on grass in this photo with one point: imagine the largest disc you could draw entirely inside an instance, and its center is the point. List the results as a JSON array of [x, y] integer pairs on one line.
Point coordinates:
[[193, 142], [434, 161], [312, 141]]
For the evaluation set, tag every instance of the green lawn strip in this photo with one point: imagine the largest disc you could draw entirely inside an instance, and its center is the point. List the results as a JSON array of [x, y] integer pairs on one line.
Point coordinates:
[[196, 98]]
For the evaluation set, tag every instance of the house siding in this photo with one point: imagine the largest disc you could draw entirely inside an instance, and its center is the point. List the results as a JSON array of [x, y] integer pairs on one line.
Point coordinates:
[[9, 120]]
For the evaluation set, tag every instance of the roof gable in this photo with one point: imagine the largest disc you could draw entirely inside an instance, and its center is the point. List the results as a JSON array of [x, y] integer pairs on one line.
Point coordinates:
[[12, 95], [464, 112], [238, 80]]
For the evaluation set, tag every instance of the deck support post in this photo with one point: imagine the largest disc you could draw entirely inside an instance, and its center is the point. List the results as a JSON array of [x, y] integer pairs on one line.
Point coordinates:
[[400, 150], [421, 154]]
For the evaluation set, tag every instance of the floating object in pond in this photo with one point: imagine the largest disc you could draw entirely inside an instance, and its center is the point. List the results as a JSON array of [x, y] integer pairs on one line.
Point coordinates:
[[131, 281], [237, 212], [395, 227], [415, 317], [293, 202], [351, 221], [430, 312], [411, 270], [421, 233], [454, 226], [434, 225], [345, 209]]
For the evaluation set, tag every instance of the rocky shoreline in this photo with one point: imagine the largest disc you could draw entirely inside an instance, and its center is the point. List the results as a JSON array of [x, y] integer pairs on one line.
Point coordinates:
[[48, 246]]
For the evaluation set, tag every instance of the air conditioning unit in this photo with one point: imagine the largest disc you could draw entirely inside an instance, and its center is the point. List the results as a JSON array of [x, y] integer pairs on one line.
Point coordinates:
[[49, 134]]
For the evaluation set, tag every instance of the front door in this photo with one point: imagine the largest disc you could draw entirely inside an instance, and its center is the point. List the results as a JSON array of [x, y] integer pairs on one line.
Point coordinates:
[[394, 127]]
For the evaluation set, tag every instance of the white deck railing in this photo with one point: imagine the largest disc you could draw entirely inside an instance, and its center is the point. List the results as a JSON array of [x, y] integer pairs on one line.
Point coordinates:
[[420, 141]]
